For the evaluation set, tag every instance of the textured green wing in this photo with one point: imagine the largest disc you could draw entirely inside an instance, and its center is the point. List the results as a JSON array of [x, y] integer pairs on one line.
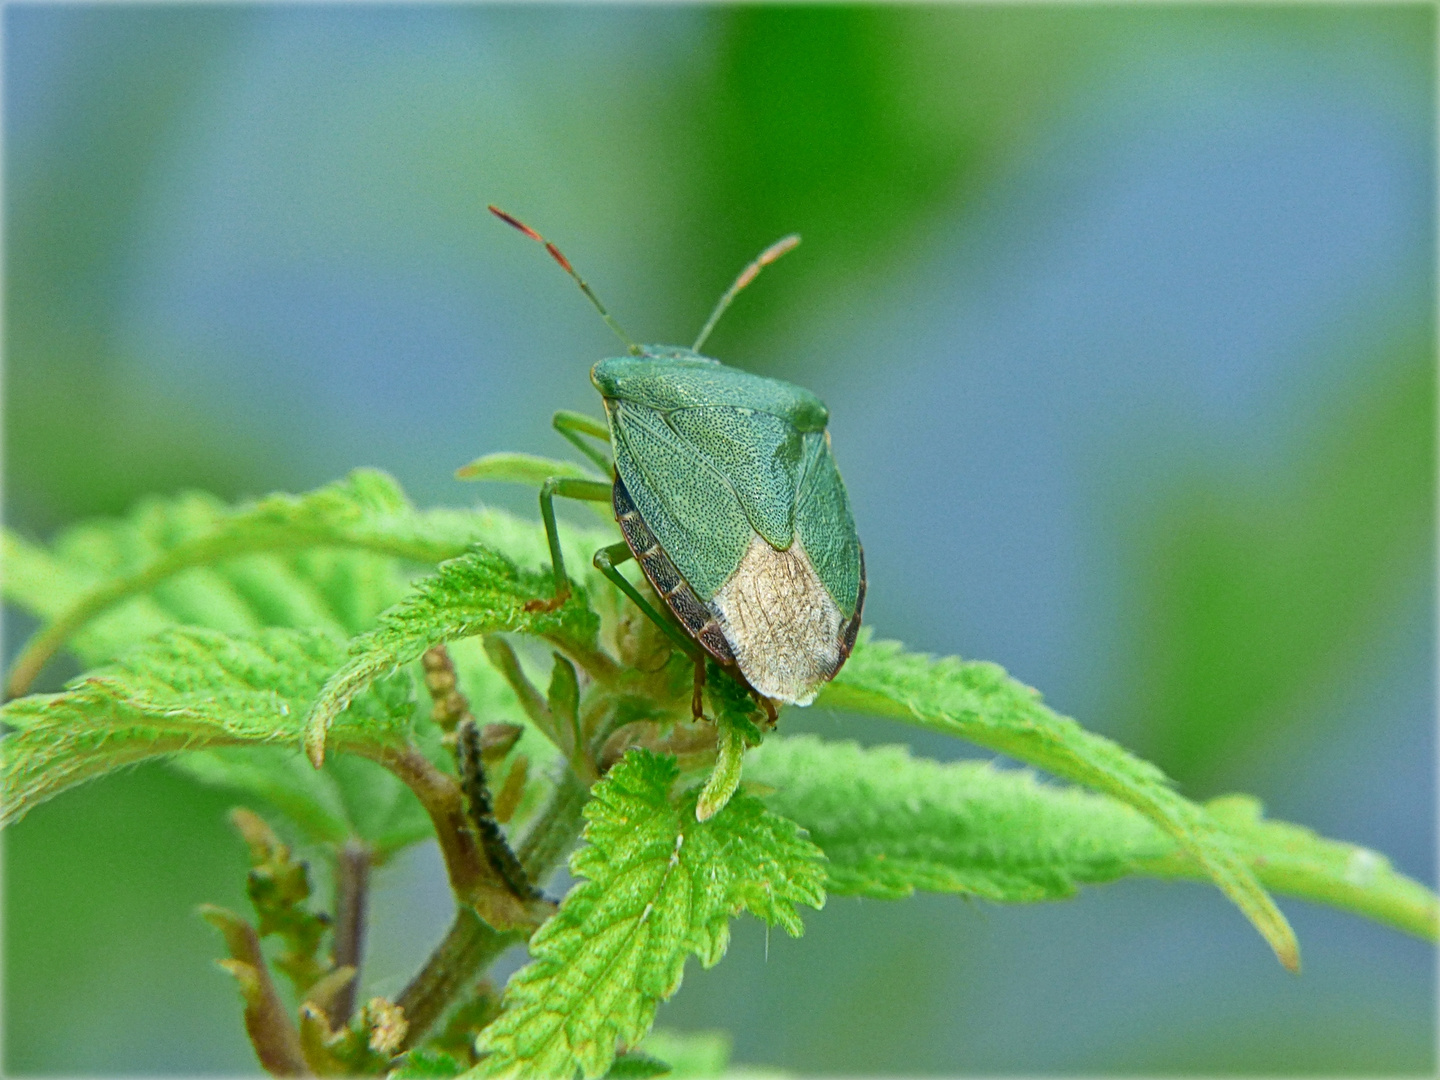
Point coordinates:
[[759, 456], [683, 497], [825, 526], [712, 455]]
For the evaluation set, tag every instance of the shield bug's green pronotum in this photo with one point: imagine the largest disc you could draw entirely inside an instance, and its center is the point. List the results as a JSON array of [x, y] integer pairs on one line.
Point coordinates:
[[727, 494]]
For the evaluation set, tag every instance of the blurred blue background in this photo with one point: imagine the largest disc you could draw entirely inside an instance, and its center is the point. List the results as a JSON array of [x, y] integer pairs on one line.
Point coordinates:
[[1125, 318]]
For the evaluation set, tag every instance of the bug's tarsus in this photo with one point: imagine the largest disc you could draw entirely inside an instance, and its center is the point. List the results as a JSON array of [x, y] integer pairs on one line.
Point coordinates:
[[559, 257], [771, 716], [697, 701], [764, 259]]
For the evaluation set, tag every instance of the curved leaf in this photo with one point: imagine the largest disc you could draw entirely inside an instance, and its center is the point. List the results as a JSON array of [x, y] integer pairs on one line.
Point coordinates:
[[661, 885], [481, 592], [98, 566], [978, 702], [326, 558], [1294, 860], [890, 824], [187, 689], [511, 468]]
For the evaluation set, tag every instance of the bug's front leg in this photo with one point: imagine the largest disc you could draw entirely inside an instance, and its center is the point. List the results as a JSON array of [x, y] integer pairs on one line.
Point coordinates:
[[572, 425], [589, 490]]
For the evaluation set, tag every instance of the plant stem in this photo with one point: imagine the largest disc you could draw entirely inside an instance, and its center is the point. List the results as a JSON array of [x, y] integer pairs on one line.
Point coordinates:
[[555, 829], [502, 656], [471, 944], [352, 882], [472, 879], [272, 1032]]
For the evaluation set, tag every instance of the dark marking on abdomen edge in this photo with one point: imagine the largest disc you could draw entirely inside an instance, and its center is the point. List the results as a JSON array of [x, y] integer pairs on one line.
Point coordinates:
[[667, 581]]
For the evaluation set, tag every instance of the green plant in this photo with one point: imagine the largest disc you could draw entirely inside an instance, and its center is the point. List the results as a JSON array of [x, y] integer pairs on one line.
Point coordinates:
[[215, 637]]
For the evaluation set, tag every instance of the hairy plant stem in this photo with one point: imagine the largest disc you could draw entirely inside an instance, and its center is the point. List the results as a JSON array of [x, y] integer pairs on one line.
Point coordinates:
[[472, 879], [471, 944], [502, 656], [272, 1032], [352, 883]]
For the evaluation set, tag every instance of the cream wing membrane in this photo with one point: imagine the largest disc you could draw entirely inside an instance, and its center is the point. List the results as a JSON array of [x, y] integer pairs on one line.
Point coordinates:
[[781, 622]]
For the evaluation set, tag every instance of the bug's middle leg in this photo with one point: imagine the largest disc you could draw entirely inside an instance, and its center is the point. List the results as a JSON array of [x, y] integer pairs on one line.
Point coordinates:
[[590, 490], [606, 560]]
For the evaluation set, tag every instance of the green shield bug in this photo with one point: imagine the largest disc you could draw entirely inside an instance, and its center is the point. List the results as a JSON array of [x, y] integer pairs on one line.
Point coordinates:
[[727, 494]]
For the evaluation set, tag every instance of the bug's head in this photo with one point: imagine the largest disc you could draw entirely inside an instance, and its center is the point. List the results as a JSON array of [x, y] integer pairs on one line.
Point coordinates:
[[658, 352]]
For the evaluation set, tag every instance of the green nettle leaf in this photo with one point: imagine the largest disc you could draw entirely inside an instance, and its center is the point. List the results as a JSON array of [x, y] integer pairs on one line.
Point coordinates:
[[327, 558], [725, 776], [348, 797], [244, 635], [890, 824], [660, 886], [161, 548], [1294, 860], [533, 471], [977, 701], [637, 1065], [480, 592], [426, 1064], [186, 689]]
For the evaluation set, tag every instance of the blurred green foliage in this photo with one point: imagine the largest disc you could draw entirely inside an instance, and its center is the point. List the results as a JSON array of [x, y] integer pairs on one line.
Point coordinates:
[[100, 897], [865, 129], [858, 127], [1281, 583], [75, 211]]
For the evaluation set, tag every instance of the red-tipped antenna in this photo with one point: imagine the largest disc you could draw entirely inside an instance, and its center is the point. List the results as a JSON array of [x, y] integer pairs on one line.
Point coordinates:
[[565, 265], [764, 259]]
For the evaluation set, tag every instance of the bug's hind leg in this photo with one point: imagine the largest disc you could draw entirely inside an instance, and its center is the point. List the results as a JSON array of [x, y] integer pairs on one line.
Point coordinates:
[[606, 560], [591, 490]]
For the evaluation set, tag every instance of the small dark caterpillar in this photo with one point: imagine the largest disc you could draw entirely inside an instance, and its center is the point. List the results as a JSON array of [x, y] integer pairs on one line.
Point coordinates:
[[492, 840]]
